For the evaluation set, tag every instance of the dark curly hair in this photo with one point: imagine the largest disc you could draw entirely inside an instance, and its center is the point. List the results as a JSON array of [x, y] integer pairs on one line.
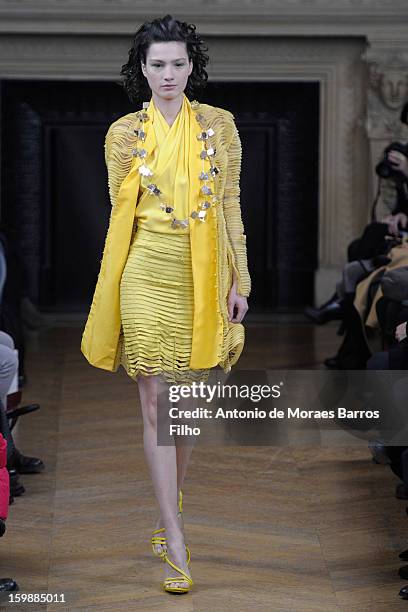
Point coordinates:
[[164, 29]]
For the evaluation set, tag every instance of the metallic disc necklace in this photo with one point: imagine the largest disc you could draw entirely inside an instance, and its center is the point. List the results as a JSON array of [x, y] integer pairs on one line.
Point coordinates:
[[208, 171]]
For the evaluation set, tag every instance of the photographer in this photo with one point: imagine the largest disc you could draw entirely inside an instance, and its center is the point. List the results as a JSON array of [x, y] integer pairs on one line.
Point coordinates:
[[395, 166]]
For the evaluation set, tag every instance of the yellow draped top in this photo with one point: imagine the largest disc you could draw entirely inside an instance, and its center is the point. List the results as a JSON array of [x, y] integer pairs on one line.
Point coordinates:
[[169, 162]]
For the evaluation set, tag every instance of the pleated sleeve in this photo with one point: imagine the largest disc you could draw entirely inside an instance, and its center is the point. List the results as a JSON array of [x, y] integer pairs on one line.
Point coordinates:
[[232, 209], [119, 141]]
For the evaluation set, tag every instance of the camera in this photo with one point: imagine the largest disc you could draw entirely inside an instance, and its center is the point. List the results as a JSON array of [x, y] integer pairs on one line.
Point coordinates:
[[385, 169]]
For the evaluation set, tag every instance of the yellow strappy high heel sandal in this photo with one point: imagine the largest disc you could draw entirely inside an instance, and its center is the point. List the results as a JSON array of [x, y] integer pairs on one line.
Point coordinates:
[[168, 583], [160, 540]]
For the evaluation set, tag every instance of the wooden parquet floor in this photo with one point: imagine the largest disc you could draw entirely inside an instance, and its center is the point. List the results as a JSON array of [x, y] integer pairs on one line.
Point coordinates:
[[305, 529]]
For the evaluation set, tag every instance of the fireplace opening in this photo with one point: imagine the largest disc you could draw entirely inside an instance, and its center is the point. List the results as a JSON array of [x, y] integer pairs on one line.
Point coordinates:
[[54, 188]]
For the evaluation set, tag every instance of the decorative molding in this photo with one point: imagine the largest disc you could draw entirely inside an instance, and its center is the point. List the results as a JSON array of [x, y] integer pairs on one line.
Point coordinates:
[[303, 6], [214, 17]]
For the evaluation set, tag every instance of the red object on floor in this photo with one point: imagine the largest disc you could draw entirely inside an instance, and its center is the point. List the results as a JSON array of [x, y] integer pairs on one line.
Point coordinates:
[[4, 479]]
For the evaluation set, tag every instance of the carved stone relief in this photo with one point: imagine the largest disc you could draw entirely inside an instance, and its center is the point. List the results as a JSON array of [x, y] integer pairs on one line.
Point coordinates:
[[387, 93], [386, 96]]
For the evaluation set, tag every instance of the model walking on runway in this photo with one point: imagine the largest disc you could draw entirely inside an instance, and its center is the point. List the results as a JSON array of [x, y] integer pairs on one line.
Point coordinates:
[[172, 288]]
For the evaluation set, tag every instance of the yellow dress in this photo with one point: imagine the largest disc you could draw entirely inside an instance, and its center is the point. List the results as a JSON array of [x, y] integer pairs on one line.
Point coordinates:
[[217, 250], [156, 289]]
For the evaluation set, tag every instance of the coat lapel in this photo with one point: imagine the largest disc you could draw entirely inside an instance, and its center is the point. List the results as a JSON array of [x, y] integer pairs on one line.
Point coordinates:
[[101, 334]]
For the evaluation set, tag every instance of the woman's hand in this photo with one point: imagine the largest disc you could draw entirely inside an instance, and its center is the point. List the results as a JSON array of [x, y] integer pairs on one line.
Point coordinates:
[[236, 301], [393, 221], [401, 332], [399, 161]]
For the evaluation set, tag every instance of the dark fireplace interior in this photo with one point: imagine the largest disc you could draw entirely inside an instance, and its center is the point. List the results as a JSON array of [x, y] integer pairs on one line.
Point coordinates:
[[54, 191]]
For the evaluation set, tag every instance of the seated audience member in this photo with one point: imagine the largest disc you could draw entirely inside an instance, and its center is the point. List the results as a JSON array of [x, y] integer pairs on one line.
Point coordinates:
[[396, 358], [368, 252], [6, 584], [17, 463], [11, 290], [10, 361], [360, 291], [16, 309]]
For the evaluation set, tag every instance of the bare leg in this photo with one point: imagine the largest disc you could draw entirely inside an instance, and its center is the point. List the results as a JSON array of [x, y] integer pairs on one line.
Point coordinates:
[[184, 448], [162, 462], [183, 454], [184, 445]]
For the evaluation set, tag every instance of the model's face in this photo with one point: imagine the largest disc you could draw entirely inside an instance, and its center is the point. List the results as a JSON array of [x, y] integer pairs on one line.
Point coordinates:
[[167, 69]]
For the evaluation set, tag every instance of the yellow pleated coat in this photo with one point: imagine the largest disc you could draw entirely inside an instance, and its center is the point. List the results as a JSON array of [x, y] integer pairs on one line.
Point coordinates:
[[102, 339]]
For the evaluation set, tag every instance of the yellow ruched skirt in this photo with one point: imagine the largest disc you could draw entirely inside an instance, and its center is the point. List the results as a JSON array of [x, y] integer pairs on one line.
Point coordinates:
[[156, 306]]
